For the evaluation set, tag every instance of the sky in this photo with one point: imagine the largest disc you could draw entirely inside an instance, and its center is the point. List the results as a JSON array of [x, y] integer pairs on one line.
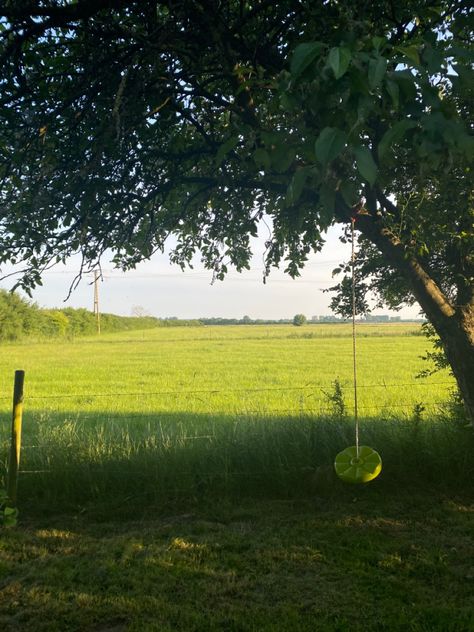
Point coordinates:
[[163, 290]]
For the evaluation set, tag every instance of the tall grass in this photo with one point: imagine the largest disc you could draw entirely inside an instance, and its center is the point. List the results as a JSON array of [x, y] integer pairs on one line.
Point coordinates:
[[168, 417], [184, 458]]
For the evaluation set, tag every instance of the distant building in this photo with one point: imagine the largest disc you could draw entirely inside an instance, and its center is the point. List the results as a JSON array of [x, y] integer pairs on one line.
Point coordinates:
[[381, 318], [329, 319]]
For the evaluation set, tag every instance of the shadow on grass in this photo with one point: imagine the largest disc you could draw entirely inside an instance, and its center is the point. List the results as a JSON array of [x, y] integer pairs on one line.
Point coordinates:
[[126, 463], [270, 566]]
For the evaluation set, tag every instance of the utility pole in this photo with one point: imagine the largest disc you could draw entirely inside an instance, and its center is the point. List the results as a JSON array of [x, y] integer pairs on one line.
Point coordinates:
[[96, 300]]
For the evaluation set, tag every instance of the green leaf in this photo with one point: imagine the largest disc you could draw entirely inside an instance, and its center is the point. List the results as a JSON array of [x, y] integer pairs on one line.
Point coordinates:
[[288, 102], [303, 57], [225, 148], [465, 143], [358, 81], [329, 144], [365, 164], [339, 59], [365, 106], [327, 199], [377, 70], [407, 85], [411, 52], [296, 186], [394, 92], [349, 192], [393, 135], [282, 157], [262, 158], [433, 58], [378, 42], [10, 516]]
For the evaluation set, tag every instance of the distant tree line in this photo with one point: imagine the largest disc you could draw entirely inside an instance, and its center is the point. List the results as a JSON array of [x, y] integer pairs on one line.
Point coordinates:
[[246, 320], [21, 319]]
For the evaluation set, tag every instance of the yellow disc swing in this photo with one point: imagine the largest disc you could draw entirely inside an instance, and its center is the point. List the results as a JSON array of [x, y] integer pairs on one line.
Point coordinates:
[[358, 463]]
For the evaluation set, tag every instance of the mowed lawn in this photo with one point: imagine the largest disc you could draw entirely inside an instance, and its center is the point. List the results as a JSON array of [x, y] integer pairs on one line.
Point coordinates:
[[181, 479], [354, 563]]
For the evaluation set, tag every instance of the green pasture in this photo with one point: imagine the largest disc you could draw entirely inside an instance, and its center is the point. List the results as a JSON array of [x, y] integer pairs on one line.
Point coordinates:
[[224, 370]]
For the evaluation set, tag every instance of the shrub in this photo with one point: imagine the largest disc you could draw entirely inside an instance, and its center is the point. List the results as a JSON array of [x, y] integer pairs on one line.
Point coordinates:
[[299, 319]]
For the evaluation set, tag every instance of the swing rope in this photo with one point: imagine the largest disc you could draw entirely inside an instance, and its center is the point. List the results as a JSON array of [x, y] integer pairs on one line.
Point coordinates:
[[356, 464], [354, 355]]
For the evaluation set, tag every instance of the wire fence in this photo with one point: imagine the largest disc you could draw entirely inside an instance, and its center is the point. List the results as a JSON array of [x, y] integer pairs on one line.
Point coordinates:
[[322, 387], [307, 401]]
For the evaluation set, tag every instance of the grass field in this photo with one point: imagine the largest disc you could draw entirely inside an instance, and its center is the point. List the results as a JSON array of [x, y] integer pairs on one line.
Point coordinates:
[[181, 479], [231, 370]]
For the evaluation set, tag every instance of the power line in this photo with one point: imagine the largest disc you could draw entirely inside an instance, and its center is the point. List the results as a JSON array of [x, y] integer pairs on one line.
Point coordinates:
[[112, 274]]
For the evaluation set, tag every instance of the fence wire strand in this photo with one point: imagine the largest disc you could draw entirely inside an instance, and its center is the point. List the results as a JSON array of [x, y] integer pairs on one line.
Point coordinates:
[[308, 387]]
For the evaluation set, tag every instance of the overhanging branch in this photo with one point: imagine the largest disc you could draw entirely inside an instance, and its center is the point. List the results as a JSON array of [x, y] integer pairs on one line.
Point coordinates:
[[426, 291]]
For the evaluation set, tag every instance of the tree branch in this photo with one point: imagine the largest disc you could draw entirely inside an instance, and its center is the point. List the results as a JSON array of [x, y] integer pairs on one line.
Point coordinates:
[[63, 13], [428, 294]]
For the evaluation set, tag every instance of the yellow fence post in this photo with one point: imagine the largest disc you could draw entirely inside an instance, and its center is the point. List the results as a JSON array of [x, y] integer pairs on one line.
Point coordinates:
[[15, 448]]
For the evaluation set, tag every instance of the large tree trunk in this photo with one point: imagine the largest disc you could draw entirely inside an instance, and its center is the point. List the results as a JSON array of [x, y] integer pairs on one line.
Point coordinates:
[[453, 324], [458, 344]]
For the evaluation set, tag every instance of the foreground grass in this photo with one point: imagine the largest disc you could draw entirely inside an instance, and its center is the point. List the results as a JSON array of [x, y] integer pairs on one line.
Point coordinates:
[[244, 529], [354, 561], [122, 466]]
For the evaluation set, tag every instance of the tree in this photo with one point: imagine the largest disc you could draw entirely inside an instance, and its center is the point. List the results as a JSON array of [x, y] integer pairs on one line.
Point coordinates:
[[17, 317], [138, 311], [299, 319], [342, 303], [125, 122]]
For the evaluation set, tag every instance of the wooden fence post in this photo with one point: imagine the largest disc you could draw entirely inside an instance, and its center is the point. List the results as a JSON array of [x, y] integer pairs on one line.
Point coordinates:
[[15, 448]]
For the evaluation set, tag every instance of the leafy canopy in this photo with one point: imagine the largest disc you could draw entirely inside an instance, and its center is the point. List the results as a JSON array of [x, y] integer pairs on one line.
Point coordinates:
[[125, 123]]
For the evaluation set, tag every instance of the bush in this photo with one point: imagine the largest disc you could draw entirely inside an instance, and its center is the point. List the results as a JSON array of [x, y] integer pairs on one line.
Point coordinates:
[[16, 316], [299, 319], [19, 319]]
